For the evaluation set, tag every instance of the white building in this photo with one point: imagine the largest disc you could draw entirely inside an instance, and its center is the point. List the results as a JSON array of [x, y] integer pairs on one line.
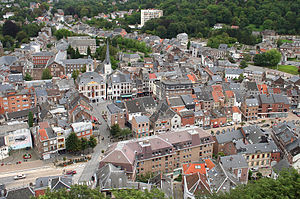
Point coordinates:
[[119, 85], [146, 15], [3, 149], [183, 38], [93, 86]]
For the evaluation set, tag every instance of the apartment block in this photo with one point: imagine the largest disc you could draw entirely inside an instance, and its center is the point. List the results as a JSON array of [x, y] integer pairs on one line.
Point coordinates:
[[13, 100], [160, 153], [146, 15]]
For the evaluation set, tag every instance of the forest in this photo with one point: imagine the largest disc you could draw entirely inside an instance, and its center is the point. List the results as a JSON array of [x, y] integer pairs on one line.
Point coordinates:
[[198, 17]]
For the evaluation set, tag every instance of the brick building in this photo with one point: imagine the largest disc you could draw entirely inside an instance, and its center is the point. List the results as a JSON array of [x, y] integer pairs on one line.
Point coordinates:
[[250, 109], [140, 126], [40, 59], [115, 115], [160, 153], [17, 100], [274, 105]]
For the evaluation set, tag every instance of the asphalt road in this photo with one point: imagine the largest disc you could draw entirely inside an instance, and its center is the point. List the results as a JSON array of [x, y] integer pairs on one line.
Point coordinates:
[[92, 165], [32, 174]]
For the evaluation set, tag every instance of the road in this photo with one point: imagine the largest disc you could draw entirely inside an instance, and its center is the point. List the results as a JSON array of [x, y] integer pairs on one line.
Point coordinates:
[[92, 165], [32, 174]]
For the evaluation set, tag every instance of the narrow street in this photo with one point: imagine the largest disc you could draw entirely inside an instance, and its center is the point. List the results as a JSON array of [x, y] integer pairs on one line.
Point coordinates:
[[103, 132]]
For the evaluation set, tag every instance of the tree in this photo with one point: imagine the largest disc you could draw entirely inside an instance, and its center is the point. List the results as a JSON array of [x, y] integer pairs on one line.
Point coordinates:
[[21, 36], [73, 143], [115, 130], [46, 74], [77, 54], [83, 69], [89, 53], [75, 74], [286, 186], [76, 192], [269, 58], [27, 77], [10, 28], [84, 143], [92, 142], [243, 64], [231, 59], [30, 119], [189, 45], [138, 194]]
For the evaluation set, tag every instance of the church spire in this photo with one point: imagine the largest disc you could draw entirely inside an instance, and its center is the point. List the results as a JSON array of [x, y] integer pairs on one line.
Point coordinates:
[[107, 57]]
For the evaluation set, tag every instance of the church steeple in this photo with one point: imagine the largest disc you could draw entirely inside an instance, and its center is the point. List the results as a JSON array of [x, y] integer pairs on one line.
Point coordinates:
[[107, 57], [106, 64]]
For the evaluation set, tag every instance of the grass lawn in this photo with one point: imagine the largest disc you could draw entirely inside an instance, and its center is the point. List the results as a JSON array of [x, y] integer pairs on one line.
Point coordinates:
[[287, 68], [286, 41]]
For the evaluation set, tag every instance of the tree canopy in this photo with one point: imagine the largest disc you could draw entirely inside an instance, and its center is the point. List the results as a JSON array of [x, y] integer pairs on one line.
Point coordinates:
[[46, 74], [73, 143], [269, 58], [286, 186]]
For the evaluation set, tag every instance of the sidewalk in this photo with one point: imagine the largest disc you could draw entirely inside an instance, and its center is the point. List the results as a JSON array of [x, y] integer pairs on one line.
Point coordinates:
[[23, 166]]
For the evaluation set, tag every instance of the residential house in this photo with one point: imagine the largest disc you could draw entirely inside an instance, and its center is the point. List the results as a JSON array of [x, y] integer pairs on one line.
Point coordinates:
[[53, 183], [82, 129], [273, 105], [119, 86], [45, 140], [250, 109], [116, 115], [225, 142], [285, 136], [140, 126]]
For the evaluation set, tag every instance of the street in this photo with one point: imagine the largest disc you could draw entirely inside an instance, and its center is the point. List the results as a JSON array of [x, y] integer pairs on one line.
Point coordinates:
[[92, 165], [31, 175]]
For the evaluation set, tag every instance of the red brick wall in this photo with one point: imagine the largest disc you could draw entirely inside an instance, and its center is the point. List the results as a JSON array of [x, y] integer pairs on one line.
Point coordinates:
[[275, 156], [187, 120]]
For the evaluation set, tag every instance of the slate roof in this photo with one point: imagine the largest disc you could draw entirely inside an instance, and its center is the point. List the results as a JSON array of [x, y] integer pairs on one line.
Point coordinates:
[[252, 86], [141, 119], [251, 102], [23, 113], [113, 109], [234, 161], [187, 99], [229, 136], [88, 77], [176, 101], [20, 193], [255, 148], [15, 77], [7, 60]]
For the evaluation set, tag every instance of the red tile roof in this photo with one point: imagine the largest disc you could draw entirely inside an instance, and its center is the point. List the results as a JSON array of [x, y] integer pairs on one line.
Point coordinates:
[[229, 94], [152, 76], [209, 163], [43, 135], [194, 168], [235, 109], [192, 77]]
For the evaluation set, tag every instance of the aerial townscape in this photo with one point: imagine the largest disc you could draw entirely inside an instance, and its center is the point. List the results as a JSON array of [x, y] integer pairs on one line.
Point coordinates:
[[149, 99]]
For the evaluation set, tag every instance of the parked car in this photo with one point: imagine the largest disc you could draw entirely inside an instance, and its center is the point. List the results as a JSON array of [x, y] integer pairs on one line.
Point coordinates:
[[19, 177], [71, 172], [216, 126], [265, 125]]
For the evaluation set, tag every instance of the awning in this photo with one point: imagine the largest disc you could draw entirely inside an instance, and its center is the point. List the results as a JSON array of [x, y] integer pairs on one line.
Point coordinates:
[[126, 95]]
